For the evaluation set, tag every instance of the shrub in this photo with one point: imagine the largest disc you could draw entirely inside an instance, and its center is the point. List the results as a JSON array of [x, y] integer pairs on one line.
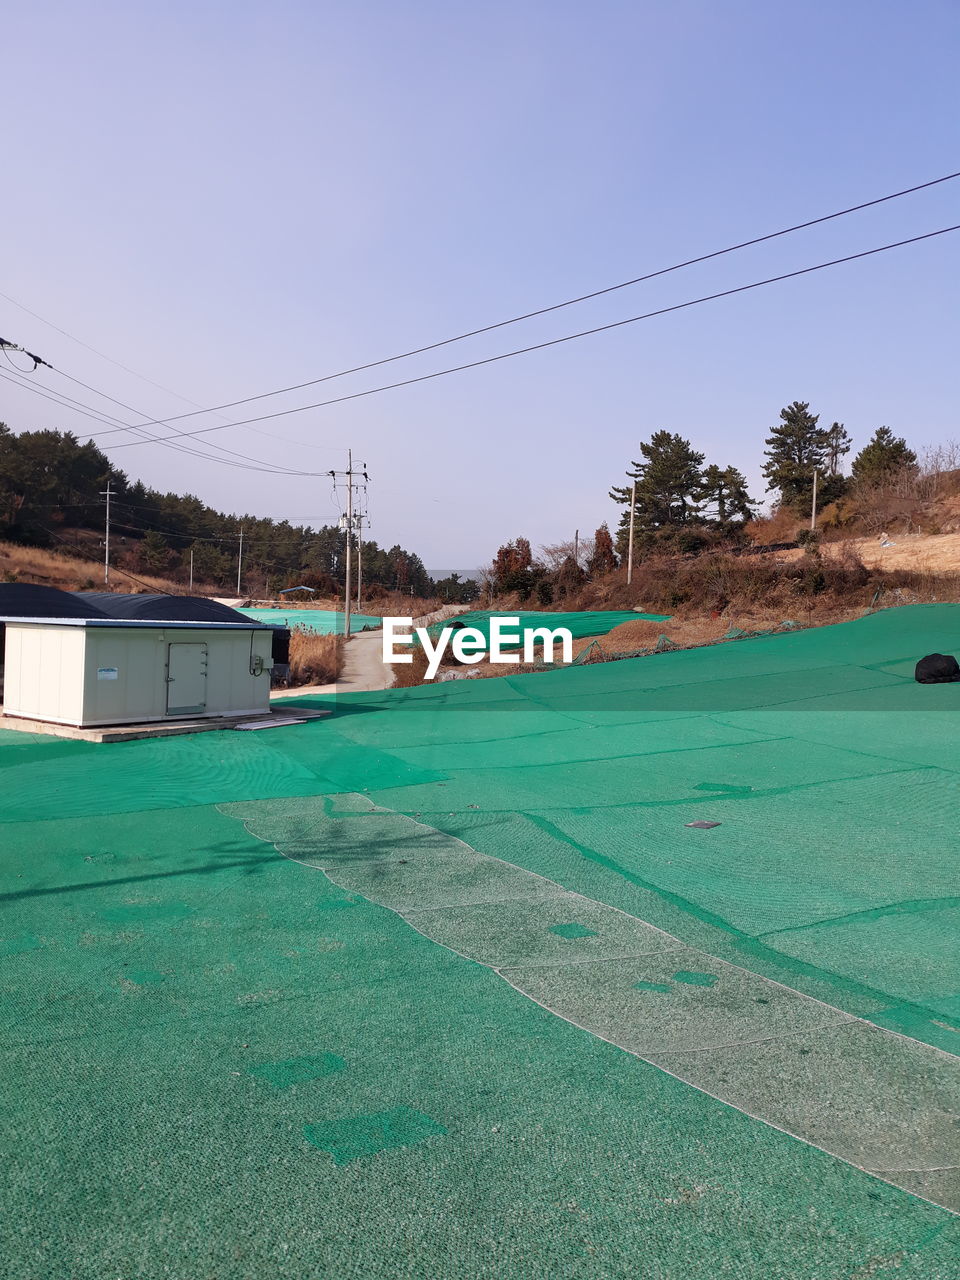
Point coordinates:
[[315, 659]]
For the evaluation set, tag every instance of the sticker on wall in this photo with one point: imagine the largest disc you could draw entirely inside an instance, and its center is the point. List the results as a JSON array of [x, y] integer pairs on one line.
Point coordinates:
[[108, 673]]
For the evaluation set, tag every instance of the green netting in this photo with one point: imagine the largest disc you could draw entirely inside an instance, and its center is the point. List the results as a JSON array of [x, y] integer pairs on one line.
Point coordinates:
[[321, 622], [176, 998], [264, 1038], [723, 1027]]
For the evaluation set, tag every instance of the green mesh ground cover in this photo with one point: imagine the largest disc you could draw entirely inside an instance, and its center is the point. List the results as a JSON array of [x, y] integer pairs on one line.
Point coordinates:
[[595, 622], [176, 997], [883, 1102], [281, 1078], [321, 622]]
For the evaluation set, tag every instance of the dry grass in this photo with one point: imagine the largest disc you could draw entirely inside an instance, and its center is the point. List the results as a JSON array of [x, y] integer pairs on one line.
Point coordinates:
[[315, 659], [918, 553], [407, 674], [805, 586], [691, 630], [395, 604], [34, 564]]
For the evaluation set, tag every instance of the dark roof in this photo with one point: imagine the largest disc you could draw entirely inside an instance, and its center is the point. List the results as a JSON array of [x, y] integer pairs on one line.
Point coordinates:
[[158, 608], [30, 600]]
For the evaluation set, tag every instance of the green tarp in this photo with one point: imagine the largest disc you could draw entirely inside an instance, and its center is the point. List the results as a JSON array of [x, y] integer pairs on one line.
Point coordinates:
[[446, 985], [321, 622]]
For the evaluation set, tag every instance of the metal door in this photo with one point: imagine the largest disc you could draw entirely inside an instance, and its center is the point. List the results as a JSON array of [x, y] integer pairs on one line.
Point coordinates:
[[186, 679]]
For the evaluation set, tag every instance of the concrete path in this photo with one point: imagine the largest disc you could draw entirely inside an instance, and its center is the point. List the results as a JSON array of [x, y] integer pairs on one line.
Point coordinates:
[[364, 670]]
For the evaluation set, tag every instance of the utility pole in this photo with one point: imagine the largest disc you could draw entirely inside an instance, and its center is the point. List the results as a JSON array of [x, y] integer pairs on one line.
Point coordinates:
[[346, 610], [105, 493], [813, 505], [347, 522], [576, 547], [633, 507], [240, 560], [191, 570], [359, 556]]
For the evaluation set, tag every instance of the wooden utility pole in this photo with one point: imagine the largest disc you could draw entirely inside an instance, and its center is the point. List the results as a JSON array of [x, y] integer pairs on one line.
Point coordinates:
[[633, 506], [240, 560], [576, 547], [813, 505], [105, 493], [191, 570]]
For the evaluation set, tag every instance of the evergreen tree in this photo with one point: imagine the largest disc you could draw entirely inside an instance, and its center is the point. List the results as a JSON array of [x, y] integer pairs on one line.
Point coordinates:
[[514, 568], [883, 458], [49, 481], [724, 489], [604, 558], [795, 448], [669, 481], [836, 442], [156, 553]]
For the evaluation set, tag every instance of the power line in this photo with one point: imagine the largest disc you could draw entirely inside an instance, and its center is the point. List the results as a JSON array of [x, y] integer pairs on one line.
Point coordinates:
[[306, 539], [78, 406], [570, 337], [570, 302], [260, 463], [110, 360], [6, 347]]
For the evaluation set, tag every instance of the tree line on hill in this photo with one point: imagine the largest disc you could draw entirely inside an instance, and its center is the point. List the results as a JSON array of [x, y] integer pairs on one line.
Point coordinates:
[[51, 488], [684, 505]]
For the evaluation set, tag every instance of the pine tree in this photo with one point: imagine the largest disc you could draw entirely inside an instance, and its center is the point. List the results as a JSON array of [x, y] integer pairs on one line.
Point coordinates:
[[669, 480], [724, 489], [883, 458], [837, 442], [156, 553], [796, 447]]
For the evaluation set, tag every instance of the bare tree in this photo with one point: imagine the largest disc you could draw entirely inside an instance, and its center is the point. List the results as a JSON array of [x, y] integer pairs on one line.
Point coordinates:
[[554, 554]]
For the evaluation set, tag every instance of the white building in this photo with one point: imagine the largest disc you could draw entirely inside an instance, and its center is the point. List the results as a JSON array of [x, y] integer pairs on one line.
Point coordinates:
[[109, 671]]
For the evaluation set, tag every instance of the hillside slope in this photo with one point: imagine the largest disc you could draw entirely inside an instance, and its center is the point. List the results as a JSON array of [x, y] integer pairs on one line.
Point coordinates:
[[34, 564]]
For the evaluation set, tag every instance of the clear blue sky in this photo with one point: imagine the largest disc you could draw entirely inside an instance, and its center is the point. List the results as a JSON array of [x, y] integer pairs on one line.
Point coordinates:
[[229, 197]]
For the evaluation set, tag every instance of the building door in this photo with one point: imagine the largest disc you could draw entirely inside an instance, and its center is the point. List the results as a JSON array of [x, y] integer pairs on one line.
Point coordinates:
[[186, 679]]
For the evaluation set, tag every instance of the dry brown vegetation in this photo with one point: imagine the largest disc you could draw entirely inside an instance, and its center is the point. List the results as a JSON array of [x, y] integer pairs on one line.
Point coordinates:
[[922, 501], [922, 553], [406, 675], [50, 569], [315, 659], [804, 585]]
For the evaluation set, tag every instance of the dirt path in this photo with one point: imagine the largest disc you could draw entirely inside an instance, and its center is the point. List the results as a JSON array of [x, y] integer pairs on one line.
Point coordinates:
[[364, 670]]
